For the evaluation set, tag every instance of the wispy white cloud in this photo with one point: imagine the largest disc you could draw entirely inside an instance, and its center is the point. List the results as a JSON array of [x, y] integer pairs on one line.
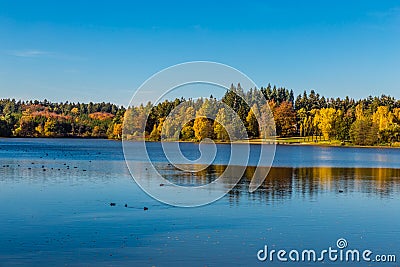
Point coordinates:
[[37, 53], [30, 53]]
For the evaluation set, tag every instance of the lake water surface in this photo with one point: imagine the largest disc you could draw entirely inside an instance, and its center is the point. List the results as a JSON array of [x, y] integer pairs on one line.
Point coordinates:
[[55, 197]]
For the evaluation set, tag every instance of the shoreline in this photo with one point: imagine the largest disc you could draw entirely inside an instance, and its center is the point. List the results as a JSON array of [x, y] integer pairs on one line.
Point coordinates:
[[251, 142]]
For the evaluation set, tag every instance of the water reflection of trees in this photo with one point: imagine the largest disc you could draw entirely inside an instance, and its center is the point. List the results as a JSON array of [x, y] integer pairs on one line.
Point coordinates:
[[277, 185], [284, 183]]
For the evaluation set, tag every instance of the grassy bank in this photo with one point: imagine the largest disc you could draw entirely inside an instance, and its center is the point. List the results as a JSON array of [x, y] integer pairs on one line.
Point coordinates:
[[319, 141]]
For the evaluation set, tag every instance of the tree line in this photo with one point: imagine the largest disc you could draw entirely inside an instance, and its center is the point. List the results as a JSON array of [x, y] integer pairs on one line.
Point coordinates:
[[46, 119], [369, 121]]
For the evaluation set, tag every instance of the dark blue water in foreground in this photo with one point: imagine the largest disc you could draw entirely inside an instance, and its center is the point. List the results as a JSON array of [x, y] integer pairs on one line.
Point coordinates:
[[55, 197]]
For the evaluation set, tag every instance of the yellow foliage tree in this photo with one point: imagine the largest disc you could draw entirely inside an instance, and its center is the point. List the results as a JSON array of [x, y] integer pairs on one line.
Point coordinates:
[[383, 118], [96, 131], [360, 112], [40, 130], [117, 131], [75, 111], [155, 134], [49, 128], [202, 128], [324, 119], [187, 132], [252, 123], [219, 123]]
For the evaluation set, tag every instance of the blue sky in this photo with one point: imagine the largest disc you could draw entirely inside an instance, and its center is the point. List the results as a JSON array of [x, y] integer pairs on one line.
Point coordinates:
[[103, 50]]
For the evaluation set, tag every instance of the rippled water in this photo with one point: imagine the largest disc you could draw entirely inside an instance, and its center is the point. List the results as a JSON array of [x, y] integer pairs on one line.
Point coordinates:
[[55, 197]]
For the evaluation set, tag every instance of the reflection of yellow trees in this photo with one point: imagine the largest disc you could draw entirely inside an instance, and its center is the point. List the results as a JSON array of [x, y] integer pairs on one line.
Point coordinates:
[[312, 180], [282, 183], [281, 175], [382, 179], [326, 178], [370, 179]]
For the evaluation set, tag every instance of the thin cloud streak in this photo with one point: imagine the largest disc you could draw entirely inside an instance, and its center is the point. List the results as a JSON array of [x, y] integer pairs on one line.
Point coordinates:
[[36, 53], [30, 53]]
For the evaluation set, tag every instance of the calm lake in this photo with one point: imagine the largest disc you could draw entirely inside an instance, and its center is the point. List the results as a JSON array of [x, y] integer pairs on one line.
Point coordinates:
[[55, 197]]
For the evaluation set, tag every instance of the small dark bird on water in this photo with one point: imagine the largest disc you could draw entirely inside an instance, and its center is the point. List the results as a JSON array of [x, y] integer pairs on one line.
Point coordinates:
[[341, 191], [145, 208], [126, 205], [112, 204]]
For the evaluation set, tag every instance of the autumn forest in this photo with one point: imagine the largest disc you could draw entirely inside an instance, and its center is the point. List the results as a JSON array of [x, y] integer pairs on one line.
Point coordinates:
[[369, 121]]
